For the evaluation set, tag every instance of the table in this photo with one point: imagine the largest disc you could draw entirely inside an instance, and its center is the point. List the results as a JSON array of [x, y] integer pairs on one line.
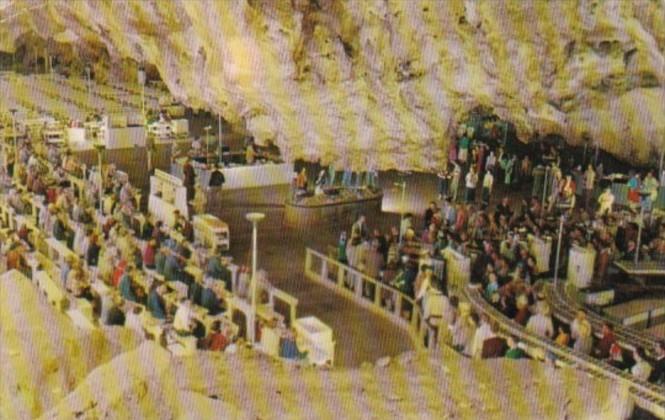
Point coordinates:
[[642, 268], [60, 248]]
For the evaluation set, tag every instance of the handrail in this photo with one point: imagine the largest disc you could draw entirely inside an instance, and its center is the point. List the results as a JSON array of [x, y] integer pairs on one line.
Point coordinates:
[[564, 309], [410, 320], [647, 395]]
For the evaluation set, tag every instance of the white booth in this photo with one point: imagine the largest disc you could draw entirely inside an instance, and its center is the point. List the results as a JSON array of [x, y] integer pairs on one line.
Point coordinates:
[[211, 231], [167, 194], [541, 249], [317, 339], [458, 269], [580, 266]]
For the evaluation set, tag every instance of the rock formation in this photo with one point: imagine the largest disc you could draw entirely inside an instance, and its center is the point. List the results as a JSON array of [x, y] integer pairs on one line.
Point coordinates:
[[43, 356], [387, 80], [247, 385]]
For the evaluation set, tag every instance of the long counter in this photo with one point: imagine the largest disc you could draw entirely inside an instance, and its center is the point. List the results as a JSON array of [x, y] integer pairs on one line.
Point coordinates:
[[303, 214], [238, 177]]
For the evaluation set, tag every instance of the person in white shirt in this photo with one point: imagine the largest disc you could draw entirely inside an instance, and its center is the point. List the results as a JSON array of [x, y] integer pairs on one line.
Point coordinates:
[[471, 184], [488, 183], [483, 332], [541, 323], [641, 369], [605, 202], [589, 182], [580, 331], [182, 322], [455, 181]]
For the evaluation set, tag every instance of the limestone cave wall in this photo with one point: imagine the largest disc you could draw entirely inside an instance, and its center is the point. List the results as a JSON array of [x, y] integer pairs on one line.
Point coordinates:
[[385, 82]]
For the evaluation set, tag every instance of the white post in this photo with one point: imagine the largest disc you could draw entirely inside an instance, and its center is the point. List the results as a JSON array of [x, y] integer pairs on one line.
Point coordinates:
[[402, 185], [639, 234], [558, 251], [207, 130], [254, 218], [547, 171], [100, 149], [219, 138], [13, 111]]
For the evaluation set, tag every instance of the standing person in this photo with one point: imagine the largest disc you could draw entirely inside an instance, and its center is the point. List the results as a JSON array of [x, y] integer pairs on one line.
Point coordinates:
[[641, 369], [463, 153], [189, 178], [634, 190], [332, 173], [589, 182], [444, 181], [454, 182], [471, 185], [429, 214], [650, 185], [490, 164], [217, 178], [580, 331], [602, 350], [658, 372], [488, 183]]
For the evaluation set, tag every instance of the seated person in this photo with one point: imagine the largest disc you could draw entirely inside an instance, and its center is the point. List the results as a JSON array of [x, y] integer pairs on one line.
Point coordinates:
[[288, 347], [209, 299], [217, 268], [183, 322], [115, 314], [129, 289], [149, 254], [216, 339], [77, 282], [172, 267], [155, 303]]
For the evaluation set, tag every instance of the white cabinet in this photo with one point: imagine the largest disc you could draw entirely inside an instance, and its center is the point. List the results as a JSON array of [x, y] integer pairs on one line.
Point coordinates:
[[212, 232], [317, 339]]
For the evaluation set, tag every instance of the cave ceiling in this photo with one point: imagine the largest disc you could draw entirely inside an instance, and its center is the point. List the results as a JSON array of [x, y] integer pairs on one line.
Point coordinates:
[[384, 82]]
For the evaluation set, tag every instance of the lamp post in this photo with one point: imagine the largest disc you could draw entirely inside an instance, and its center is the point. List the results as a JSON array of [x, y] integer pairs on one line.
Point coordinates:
[[545, 180], [99, 146], [558, 250], [141, 80], [219, 138], [640, 224], [254, 218], [13, 112], [402, 185], [207, 130]]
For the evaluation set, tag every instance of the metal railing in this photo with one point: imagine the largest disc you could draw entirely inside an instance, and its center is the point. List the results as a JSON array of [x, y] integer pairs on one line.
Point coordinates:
[[565, 308], [370, 293], [648, 396]]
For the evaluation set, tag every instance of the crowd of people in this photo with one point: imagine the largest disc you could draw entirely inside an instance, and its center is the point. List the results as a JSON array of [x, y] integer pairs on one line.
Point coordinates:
[[131, 268], [494, 231]]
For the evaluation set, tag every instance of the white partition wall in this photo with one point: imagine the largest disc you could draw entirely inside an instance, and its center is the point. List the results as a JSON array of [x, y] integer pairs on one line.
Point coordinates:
[[166, 195], [580, 266]]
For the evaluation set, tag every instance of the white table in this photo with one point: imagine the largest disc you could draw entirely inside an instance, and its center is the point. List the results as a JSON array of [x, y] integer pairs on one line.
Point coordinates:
[[317, 338]]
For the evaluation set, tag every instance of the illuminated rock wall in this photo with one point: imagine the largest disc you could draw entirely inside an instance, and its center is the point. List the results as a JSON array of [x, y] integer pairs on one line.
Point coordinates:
[[387, 81]]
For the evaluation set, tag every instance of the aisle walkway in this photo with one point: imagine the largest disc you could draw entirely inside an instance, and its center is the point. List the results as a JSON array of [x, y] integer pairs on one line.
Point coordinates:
[[361, 335]]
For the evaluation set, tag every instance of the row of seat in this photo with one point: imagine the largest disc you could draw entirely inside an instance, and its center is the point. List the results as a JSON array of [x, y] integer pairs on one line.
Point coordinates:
[[648, 396], [564, 308]]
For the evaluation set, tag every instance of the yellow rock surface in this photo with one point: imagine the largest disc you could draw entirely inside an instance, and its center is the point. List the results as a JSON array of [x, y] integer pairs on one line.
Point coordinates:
[[43, 356], [386, 79]]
